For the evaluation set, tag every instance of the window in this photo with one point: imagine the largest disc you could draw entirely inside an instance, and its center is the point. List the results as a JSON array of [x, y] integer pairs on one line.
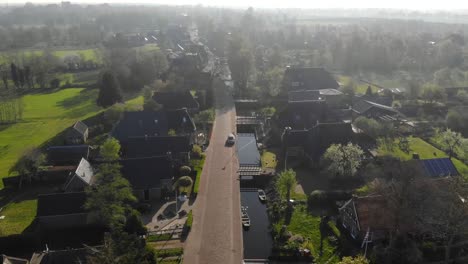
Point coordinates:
[[146, 194], [295, 84]]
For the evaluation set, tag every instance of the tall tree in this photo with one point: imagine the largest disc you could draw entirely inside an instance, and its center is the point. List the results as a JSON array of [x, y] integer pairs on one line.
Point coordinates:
[[29, 164], [109, 199], [343, 160], [110, 150], [449, 140], [109, 91], [286, 183], [14, 74]]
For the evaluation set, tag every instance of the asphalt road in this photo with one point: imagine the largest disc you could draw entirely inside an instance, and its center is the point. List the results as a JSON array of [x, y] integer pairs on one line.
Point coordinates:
[[216, 235]]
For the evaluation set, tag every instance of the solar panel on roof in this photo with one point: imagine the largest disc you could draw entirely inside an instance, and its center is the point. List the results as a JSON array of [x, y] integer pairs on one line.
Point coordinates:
[[439, 167]]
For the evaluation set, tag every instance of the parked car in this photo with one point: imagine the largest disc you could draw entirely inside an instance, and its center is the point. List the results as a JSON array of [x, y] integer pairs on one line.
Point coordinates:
[[231, 140]]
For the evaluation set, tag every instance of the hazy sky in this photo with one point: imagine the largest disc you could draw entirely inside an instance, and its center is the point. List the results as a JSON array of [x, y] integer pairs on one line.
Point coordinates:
[[398, 4]]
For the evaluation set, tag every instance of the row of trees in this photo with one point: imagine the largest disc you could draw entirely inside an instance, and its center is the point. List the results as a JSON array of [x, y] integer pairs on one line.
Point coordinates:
[[110, 201], [11, 110]]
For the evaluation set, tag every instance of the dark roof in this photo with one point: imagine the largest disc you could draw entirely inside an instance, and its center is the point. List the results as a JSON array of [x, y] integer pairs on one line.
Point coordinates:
[[140, 147], [310, 78], [67, 154], [80, 127], [61, 204], [146, 173], [12, 260], [295, 138], [304, 96], [247, 150], [317, 139], [440, 167], [153, 123], [362, 106], [176, 100], [61, 256]]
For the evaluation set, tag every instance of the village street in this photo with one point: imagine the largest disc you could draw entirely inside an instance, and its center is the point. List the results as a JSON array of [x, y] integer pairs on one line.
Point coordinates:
[[216, 232]]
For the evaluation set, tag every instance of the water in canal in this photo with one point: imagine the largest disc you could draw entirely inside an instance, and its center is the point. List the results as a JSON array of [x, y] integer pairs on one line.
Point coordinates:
[[257, 239]]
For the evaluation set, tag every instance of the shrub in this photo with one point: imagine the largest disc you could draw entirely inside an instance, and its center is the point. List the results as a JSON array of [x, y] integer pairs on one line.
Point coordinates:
[[159, 237], [196, 152], [185, 170], [316, 197], [189, 222], [170, 252]]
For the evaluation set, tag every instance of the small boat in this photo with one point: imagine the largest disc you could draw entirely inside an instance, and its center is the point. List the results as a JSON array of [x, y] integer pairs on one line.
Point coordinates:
[[261, 195], [245, 217]]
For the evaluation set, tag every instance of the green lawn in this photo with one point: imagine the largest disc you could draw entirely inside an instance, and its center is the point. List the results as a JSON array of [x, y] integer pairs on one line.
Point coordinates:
[[88, 54], [45, 115], [308, 226], [269, 160], [425, 151], [198, 166], [18, 216]]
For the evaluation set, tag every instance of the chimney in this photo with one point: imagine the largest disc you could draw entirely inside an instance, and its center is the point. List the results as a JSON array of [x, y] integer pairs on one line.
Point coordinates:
[[415, 156]]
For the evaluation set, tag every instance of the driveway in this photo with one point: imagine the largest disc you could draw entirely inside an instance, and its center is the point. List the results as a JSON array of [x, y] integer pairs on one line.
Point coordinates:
[[216, 232]]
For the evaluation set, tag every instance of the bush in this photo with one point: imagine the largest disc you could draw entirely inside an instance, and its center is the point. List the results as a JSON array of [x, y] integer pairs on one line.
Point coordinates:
[[196, 152], [189, 222], [317, 197], [185, 170], [159, 237], [170, 252]]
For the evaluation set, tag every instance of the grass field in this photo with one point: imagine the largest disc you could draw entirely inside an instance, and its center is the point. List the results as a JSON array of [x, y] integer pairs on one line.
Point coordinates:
[[88, 54], [308, 226], [269, 160], [45, 115], [18, 216], [425, 151]]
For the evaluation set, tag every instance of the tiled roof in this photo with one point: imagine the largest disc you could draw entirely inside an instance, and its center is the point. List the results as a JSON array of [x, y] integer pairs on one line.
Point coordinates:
[[140, 147], [80, 127], [310, 78], [147, 173], [69, 155], [152, 123], [304, 96], [61, 204], [374, 213], [176, 100], [362, 106]]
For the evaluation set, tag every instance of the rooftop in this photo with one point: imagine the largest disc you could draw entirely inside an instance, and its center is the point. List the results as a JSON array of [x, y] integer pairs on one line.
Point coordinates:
[[80, 127], [61, 204], [441, 167], [152, 123], [309, 78], [70, 155], [147, 173], [140, 147], [176, 100]]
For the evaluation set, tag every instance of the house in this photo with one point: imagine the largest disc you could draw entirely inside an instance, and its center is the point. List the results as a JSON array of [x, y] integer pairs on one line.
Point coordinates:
[[62, 210], [374, 110], [312, 143], [178, 147], [77, 134], [437, 168], [78, 255], [67, 155], [304, 110], [176, 100], [305, 78], [149, 177], [12, 260], [335, 98], [81, 178], [372, 214], [154, 124]]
